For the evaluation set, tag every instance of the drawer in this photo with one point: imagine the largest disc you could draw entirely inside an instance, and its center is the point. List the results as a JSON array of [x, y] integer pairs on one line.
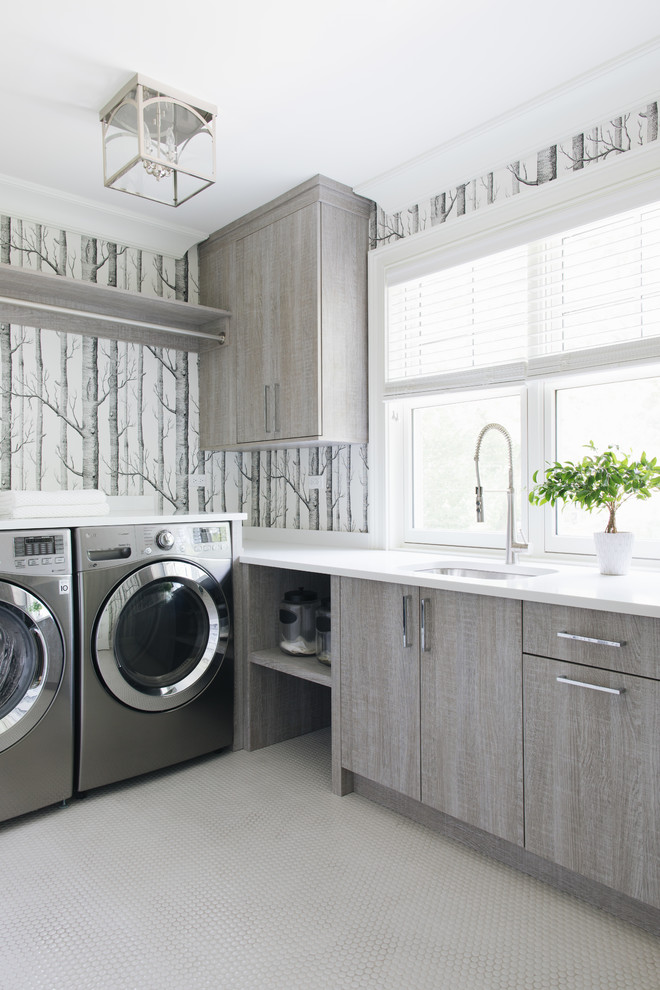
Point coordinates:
[[626, 643]]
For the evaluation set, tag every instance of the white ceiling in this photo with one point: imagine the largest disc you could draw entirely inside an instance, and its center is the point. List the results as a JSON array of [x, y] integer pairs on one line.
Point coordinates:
[[349, 88]]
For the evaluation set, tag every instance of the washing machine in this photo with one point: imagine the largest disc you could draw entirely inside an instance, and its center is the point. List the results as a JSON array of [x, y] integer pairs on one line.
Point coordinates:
[[36, 654], [155, 676]]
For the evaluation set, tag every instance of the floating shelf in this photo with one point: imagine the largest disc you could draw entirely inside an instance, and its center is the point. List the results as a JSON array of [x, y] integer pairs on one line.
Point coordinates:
[[55, 302]]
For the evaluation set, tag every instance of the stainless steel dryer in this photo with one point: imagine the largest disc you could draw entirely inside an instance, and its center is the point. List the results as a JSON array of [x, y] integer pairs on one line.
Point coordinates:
[[156, 665], [36, 659]]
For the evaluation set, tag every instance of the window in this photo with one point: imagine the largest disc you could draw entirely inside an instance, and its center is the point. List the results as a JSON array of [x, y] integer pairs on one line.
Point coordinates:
[[441, 434], [555, 337], [624, 406], [589, 297]]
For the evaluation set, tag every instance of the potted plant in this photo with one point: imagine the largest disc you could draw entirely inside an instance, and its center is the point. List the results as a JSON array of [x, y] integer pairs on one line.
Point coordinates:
[[601, 480]]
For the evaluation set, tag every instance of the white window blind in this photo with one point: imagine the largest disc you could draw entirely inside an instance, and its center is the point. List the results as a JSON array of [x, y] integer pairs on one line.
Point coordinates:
[[587, 298]]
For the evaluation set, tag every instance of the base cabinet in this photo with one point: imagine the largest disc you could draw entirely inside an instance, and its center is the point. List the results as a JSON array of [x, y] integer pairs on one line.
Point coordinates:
[[592, 773], [379, 653], [430, 699], [530, 731], [471, 710]]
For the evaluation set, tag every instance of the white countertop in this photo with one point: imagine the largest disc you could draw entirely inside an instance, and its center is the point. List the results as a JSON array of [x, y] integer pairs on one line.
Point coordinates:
[[637, 593], [127, 517]]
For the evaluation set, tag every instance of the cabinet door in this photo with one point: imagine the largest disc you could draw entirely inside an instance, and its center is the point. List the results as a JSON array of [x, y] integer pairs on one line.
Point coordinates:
[[217, 365], [472, 710], [254, 365], [592, 773], [380, 683], [279, 357]]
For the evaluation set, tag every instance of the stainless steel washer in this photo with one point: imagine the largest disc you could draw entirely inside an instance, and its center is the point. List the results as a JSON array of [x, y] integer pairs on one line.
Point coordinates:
[[156, 664], [36, 659]]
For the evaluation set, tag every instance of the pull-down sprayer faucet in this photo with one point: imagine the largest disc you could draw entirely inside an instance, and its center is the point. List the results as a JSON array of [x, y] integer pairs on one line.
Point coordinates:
[[511, 545]]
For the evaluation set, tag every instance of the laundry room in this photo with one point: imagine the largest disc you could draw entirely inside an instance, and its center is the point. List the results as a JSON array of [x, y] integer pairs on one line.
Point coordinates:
[[329, 513]]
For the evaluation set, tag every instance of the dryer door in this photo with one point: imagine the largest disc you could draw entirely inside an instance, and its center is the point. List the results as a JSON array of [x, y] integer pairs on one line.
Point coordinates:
[[31, 662], [161, 636]]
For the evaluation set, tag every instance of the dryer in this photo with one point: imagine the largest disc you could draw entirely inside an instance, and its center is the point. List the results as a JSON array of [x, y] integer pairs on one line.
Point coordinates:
[[36, 651], [155, 656]]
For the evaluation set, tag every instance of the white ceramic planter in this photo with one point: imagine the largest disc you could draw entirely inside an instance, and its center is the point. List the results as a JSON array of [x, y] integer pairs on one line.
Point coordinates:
[[614, 552]]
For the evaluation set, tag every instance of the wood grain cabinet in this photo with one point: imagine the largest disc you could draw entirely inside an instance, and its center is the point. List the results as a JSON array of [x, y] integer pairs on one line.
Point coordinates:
[[379, 657], [294, 371], [431, 699], [592, 746], [471, 710]]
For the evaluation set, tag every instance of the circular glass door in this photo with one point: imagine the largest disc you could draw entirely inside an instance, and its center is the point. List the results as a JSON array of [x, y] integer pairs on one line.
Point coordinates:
[[31, 662], [161, 636]]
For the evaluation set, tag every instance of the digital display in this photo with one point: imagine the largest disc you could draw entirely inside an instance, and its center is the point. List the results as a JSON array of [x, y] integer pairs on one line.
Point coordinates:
[[210, 534], [38, 546]]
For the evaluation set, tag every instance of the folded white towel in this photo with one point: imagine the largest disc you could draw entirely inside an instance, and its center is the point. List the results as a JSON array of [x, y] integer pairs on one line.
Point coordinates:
[[78, 497], [54, 511]]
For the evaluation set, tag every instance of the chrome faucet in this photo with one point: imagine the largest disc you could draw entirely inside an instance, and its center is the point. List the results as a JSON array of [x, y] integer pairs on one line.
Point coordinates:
[[512, 546]]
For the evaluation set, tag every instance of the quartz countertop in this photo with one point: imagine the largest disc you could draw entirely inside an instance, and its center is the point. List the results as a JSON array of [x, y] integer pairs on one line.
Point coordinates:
[[580, 585], [116, 518]]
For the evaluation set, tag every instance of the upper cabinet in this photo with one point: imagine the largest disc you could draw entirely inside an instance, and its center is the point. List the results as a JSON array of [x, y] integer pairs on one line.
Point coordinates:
[[294, 275]]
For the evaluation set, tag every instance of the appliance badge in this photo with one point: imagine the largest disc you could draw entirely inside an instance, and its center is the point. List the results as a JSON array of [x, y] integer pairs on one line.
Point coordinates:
[[65, 586]]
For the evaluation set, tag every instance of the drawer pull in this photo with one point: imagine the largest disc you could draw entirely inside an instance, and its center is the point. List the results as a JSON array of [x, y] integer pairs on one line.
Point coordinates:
[[592, 687], [589, 639]]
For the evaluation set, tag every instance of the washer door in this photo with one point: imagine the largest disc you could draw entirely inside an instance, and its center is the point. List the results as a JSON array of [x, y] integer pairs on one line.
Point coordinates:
[[31, 662], [161, 636]]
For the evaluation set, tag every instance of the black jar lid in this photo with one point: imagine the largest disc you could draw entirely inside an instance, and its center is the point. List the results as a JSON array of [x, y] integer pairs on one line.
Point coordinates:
[[300, 597]]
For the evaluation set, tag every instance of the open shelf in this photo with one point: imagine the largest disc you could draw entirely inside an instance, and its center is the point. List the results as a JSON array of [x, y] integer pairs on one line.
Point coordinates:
[[56, 302], [306, 668]]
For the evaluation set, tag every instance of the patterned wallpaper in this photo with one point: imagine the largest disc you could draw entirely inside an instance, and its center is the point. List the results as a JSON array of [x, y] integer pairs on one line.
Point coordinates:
[[77, 412], [559, 161]]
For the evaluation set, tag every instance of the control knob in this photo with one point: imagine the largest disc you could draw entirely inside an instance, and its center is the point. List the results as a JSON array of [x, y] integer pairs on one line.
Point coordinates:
[[165, 539]]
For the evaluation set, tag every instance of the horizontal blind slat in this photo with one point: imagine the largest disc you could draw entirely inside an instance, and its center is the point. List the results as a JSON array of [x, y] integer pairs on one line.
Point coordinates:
[[582, 292]]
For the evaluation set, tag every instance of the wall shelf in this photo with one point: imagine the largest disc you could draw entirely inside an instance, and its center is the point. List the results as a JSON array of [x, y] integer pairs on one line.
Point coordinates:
[[55, 302]]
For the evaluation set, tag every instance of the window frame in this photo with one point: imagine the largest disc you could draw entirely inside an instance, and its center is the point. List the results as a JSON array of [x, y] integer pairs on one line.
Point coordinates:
[[416, 536], [553, 543], [621, 184]]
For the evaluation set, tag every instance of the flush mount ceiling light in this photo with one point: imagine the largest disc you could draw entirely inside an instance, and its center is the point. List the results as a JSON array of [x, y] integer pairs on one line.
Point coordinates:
[[157, 143]]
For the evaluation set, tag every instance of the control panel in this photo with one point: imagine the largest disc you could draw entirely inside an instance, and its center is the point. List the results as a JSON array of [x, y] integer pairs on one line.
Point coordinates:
[[108, 546], [210, 540], [36, 553]]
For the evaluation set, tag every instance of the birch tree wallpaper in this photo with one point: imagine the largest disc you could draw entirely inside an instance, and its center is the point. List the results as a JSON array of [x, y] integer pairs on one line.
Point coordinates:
[[560, 160], [77, 412]]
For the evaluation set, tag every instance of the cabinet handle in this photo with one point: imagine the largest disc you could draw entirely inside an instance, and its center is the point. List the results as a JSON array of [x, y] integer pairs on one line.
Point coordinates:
[[276, 403], [266, 405], [589, 639], [592, 687], [407, 626], [425, 609]]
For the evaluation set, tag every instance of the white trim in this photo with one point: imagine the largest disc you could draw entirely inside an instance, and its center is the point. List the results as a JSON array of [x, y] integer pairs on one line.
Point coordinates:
[[479, 539], [626, 82], [631, 180], [613, 187], [254, 535], [40, 204], [583, 545]]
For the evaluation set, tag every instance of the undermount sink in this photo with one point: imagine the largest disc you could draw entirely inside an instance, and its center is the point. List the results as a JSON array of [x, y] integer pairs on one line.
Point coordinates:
[[481, 571]]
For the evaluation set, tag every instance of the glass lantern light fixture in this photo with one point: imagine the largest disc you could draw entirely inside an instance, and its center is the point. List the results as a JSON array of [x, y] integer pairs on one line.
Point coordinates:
[[157, 143]]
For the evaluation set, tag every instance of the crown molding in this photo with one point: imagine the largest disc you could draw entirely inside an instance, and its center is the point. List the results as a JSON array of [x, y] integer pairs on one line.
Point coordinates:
[[614, 88], [51, 207]]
